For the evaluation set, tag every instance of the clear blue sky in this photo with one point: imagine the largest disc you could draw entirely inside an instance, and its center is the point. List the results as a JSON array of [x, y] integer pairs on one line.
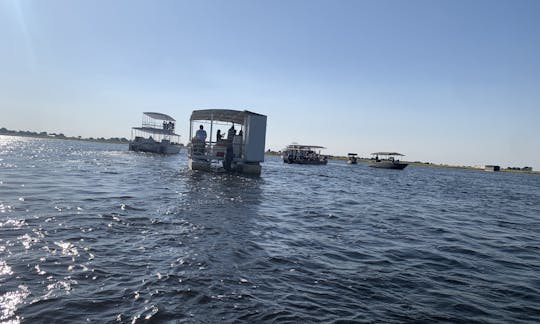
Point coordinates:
[[453, 82]]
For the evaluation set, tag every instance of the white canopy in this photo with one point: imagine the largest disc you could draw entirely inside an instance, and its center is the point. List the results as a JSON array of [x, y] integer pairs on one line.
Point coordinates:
[[155, 131], [223, 115], [159, 116]]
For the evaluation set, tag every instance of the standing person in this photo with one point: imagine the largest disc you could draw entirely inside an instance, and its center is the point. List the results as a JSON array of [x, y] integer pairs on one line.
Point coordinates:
[[231, 133], [201, 134], [218, 135]]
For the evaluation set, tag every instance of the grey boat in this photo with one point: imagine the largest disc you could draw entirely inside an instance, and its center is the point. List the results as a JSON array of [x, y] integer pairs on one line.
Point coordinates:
[[304, 154], [156, 135], [241, 152], [386, 160]]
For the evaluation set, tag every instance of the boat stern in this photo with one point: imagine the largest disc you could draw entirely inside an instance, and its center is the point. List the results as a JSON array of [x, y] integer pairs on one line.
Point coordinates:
[[249, 168]]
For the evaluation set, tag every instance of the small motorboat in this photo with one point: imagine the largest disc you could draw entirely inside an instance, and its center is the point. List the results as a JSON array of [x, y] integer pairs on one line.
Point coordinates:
[[352, 158], [386, 160]]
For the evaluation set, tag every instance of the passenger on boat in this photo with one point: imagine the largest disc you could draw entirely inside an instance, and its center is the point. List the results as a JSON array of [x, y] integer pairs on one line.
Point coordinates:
[[231, 133], [219, 136], [198, 142], [201, 134]]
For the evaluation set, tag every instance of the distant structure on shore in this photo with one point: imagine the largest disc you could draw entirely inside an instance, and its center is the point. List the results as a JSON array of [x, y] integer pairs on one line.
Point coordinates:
[[527, 169], [495, 168], [492, 168]]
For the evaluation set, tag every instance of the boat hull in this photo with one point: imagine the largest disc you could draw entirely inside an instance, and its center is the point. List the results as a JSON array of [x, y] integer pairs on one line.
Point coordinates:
[[307, 162], [253, 168], [249, 168], [200, 165], [160, 148], [388, 165]]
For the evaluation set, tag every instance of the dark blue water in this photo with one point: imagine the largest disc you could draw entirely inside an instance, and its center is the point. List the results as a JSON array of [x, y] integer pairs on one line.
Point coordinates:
[[92, 232]]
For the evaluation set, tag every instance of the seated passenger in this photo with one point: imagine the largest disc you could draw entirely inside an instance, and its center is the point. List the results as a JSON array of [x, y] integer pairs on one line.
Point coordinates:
[[200, 135]]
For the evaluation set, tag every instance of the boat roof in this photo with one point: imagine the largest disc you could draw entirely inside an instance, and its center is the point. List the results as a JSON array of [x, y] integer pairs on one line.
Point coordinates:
[[159, 116], [304, 147], [388, 153], [223, 115], [155, 130], [352, 154]]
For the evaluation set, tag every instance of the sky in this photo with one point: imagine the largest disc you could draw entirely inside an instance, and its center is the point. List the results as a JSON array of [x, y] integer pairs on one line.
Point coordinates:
[[454, 82]]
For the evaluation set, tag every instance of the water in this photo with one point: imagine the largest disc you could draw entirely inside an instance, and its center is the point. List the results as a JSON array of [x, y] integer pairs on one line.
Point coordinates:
[[92, 232]]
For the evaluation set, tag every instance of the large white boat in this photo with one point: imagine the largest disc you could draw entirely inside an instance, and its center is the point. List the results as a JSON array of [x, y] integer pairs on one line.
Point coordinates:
[[304, 154], [241, 150], [156, 135], [386, 160]]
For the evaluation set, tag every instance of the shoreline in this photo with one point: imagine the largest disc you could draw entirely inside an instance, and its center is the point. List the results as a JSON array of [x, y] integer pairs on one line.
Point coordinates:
[[423, 164], [269, 153], [462, 167], [70, 138]]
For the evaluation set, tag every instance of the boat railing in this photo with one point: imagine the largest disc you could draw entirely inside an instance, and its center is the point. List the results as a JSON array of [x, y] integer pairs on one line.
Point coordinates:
[[216, 150], [304, 154], [161, 125]]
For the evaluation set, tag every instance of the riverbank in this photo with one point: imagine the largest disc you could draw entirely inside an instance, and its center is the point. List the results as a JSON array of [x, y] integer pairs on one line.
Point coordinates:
[[447, 166], [112, 140], [418, 163]]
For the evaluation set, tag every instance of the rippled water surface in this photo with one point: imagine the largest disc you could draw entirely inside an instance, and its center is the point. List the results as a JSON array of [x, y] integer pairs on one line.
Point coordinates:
[[92, 232]]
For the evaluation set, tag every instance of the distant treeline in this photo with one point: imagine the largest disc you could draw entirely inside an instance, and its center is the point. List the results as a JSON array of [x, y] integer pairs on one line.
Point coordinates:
[[5, 131]]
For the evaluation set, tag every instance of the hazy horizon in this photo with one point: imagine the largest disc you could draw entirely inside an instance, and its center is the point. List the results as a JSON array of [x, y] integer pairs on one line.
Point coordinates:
[[453, 82]]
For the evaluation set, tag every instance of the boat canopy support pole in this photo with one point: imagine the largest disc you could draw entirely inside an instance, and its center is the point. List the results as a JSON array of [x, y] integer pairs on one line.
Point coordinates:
[[190, 130], [211, 128]]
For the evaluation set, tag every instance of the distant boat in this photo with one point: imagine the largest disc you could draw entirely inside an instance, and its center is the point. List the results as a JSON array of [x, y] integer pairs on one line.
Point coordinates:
[[240, 152], [304, 154], [386, 160], [156, 135], [352, 158]]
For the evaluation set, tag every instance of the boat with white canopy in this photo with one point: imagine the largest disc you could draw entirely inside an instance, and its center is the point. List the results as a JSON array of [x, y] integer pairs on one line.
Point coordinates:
[[387, 160], [304, 154], [352, 158], [156, 135], [240, 150]]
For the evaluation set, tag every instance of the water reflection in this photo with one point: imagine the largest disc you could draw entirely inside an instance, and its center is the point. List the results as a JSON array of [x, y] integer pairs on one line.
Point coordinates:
[[226, 208]]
